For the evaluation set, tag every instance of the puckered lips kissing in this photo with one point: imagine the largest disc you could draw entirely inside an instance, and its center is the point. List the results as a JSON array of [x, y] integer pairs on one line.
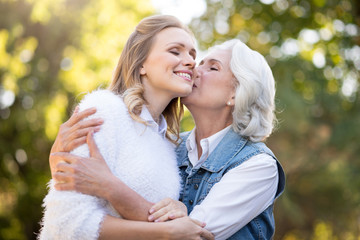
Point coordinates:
[[185, 74]]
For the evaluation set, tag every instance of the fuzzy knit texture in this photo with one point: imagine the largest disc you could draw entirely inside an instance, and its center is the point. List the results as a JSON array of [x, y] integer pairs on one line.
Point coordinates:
[[135, 153]]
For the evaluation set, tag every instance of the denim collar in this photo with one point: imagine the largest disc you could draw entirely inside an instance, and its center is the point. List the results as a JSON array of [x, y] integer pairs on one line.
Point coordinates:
[[228, 148]]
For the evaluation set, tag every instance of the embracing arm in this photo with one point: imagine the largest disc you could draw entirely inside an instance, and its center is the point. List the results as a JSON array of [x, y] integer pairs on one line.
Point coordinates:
[[116, 228], [92, 176], [74, 215], [179, 229]]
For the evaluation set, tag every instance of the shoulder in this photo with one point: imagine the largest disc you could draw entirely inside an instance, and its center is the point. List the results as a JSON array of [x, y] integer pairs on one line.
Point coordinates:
[[101, 95], [261, 147], [102, 99]]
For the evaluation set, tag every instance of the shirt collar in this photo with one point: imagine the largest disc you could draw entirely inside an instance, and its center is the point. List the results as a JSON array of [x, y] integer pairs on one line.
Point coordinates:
[[216, 138], [146, 116], [190, 141], [208, 145]]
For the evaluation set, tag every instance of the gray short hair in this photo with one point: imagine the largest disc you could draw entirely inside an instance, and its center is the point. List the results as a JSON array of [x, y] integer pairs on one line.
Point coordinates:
[[254, 111]]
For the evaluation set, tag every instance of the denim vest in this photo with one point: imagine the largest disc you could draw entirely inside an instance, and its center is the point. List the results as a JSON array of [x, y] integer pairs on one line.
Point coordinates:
[[232, 151]]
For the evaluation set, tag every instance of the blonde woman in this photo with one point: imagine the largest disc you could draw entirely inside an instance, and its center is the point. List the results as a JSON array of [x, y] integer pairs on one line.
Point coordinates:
[[140, 113]]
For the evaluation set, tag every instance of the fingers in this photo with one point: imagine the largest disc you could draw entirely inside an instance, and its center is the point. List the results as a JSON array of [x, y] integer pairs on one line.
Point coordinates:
[[75, 143], [61, 178], [165, 215], [64, 167], [77, 109], [176, 214], [54, 160], [88, 123], [78, 116], [81, 129], [167, 209], [83, 132], [199, 223], [161, 215], [158, 210], [156, 207], [94, 150], [71, 137], [62, 156], [205, 234], [64, 182]]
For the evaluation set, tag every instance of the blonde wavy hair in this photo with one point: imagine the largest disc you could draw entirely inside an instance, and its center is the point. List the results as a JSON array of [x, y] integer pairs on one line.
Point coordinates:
[[127, 81]]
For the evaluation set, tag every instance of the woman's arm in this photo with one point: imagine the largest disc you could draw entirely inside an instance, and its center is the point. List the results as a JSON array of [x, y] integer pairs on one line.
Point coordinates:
[[79, 218], [179, 229], [92, 176], [73, 132]]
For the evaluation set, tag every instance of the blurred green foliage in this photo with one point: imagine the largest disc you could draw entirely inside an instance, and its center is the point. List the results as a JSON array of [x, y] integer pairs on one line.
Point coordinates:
[[53, 51], [50, 52], [313, 49]]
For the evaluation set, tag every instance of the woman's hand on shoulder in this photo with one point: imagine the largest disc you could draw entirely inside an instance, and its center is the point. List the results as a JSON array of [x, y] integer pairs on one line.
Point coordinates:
[[167, 209], [90, 176], [73, 132]]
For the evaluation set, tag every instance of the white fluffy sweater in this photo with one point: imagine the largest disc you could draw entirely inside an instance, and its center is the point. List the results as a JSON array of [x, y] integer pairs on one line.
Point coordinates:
[[136, 154]]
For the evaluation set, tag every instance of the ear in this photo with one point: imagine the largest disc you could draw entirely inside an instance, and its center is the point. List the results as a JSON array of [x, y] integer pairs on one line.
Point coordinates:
[[142, 70], [231, 100]]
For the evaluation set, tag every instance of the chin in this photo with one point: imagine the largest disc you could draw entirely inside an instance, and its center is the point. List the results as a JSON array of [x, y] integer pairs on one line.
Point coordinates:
[[186, 91]]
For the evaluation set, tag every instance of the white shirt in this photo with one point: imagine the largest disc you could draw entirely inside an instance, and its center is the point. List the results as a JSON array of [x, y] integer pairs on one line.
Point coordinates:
[[146, 116], [207, 145], [242, 193]]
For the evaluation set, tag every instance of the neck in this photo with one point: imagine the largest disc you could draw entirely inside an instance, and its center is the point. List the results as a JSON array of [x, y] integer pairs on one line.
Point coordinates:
[[209, 122], [156, 103]]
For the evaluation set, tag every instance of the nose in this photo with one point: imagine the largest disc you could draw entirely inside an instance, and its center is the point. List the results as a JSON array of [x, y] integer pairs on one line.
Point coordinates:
[[189, 61]]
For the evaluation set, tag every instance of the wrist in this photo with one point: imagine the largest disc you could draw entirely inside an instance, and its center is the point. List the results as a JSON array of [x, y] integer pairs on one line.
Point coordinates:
[[164, 230], [109, 190]]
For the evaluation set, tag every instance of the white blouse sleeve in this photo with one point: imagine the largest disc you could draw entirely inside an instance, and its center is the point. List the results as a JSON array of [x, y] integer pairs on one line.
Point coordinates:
[[72, 215], [242, 194]]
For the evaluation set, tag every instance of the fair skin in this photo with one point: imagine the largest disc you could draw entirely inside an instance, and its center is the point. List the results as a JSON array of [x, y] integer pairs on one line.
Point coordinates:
[[212, 99], [211, 104], [167, 71], [166, 74]]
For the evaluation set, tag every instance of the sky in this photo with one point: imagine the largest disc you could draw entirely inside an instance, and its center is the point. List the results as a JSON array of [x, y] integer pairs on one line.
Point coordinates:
[[185, 10]]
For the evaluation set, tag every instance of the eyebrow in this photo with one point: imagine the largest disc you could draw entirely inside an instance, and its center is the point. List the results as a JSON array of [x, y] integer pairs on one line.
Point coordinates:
[[211, 60], [193, 51]]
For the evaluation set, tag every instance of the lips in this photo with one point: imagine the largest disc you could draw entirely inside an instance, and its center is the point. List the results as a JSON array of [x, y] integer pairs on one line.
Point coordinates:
[[187, 75]]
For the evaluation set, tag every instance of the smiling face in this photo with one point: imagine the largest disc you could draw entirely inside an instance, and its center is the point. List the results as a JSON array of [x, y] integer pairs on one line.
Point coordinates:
[[168, 69], [214, 85]]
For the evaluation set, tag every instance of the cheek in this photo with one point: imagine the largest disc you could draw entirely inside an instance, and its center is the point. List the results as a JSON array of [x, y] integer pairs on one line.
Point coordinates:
[[166, 61], [217, 91]]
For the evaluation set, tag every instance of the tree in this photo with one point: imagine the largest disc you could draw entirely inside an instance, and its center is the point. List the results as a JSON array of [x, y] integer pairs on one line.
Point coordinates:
[[50, 52]]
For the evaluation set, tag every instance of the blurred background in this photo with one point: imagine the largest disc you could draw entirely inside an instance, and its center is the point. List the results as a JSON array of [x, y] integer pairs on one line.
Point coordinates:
[[52, 51]]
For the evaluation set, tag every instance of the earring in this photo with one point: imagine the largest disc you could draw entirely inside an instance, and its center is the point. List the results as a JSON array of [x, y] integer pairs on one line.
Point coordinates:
[[228, 103]]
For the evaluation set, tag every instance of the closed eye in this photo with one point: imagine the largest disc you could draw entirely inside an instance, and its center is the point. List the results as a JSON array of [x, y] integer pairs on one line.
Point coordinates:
[[214, 69], [175, 53]]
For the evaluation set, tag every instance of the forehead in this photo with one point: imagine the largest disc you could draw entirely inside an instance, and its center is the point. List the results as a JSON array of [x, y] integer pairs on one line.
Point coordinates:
[[218, 55], [174, 35]]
